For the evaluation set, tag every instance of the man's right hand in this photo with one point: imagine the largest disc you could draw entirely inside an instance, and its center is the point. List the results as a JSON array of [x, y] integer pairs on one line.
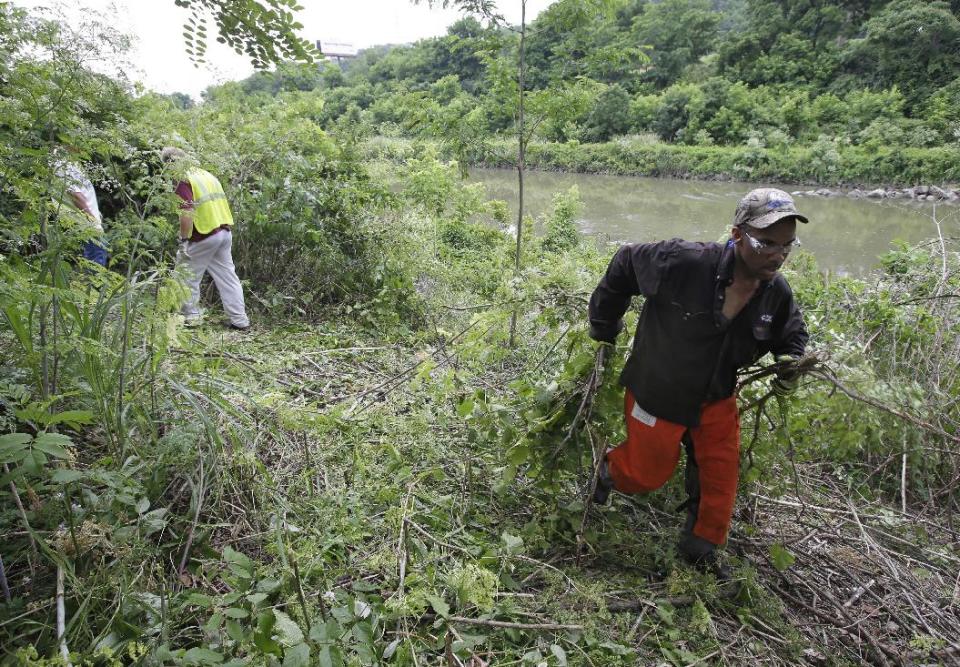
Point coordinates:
[[604, 351]]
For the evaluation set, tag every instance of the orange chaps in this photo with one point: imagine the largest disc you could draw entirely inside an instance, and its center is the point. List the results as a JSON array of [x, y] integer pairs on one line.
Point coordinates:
[[645, 461]]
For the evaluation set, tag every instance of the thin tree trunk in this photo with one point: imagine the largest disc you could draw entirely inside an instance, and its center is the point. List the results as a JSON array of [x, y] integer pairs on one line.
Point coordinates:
[[521, 158], [62, 619]]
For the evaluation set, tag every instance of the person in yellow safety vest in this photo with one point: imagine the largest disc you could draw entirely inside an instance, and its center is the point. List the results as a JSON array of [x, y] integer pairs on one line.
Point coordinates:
[[205, 238]]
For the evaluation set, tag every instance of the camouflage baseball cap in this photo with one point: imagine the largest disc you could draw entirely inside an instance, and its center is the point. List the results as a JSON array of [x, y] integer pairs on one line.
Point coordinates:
[[764, 206]]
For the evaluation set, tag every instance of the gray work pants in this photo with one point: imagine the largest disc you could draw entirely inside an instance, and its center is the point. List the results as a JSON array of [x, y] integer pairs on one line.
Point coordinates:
[[212, 255]]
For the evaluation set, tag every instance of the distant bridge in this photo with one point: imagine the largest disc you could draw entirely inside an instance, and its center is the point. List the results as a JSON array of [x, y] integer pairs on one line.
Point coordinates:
[[338, 51]]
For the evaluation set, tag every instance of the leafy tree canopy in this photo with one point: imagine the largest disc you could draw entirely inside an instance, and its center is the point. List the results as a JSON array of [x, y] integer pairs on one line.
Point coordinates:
[[263, 30]]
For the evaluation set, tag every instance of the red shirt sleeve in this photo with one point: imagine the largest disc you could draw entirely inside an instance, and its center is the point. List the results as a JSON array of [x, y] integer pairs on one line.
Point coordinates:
[[186, 194]]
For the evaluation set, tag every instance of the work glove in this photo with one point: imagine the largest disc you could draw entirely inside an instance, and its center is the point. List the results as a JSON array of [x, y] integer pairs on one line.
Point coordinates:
[[182, 246], [604, 352], [788, 377], [605, 334]]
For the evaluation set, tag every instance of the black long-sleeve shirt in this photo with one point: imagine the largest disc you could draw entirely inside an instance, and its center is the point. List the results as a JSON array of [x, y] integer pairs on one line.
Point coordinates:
[[685, 352]]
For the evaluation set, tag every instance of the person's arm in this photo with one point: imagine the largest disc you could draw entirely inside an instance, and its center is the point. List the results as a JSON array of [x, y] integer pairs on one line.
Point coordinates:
[[790, 331], [789, 344], [634, 269], [186, 225], [186, 210], [81, 202]]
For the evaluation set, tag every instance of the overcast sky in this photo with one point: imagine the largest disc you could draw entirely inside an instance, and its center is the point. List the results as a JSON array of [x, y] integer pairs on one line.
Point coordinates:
[[158, 56]]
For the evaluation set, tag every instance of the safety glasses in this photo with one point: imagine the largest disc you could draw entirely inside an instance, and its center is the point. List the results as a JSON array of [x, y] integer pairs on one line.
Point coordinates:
[[768, 248]]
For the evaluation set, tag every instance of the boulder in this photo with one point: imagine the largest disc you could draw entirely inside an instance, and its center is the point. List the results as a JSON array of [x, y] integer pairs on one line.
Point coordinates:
[[894, 194], [909, 192], [856, 193], [824, 192], [938, 193], [879, 193], [922, 190]]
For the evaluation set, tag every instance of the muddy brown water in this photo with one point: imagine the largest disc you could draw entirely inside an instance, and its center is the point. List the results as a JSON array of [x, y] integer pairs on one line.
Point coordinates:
[[847, 236]]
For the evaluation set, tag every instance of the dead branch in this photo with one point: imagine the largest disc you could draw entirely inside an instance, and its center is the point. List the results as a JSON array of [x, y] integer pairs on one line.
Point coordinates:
[[555, 627]]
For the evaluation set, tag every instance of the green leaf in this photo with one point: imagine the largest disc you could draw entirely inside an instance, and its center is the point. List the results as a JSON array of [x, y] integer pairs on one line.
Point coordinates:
[[202, 656], [782, 559], [239, 563], [235, 631], [72, 418], [14, 439], [199, 600], [439, 606], [512, 544], [263, 637], [212, 626], [297, 656], [236, 612], [13, 446], [288, 632], [256, 598], [559, 654], [391, 649], [34, 461], [53, 444], [65, 476]]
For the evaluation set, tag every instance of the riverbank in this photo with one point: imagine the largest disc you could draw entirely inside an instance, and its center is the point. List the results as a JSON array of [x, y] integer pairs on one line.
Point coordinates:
[[822, 164]]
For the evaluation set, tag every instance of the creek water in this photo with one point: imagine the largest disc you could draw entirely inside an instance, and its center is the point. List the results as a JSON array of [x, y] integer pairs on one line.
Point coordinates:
[[845, 235]]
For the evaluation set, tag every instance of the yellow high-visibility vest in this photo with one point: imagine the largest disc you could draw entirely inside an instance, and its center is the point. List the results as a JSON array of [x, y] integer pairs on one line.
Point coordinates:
[[210, 207]]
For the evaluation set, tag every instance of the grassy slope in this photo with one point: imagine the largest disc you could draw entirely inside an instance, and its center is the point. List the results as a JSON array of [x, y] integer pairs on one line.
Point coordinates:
[[384, 460], [354, 487]]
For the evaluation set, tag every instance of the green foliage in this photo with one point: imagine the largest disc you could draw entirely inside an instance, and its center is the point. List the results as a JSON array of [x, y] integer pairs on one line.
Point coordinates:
[[914, 46], [677, 33], [337, 491], [610, 115], [826, 161], [266, 31], [560, 230], [695, 72]]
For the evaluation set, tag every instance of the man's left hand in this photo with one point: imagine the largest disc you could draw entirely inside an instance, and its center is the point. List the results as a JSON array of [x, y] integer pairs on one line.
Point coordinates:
[[788, 377]]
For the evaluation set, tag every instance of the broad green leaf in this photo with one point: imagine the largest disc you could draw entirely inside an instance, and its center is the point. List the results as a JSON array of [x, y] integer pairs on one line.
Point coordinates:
[[235, 631], [287, 631], [72, 418], [439, 606], [65, 476], [236, 612], [199, 600], [782, 559], [202, 656], [391, 649], [212, 626], [14, 439], [256, 598], [53, 444], [34, 461], [263, 637], [559, 654], [239, 563], [13, 447], [512, 544], [297, 656]]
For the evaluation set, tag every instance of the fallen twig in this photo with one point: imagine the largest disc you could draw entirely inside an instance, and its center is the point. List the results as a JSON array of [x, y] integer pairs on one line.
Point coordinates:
[[3, 582], [513, 625], [62, 619]]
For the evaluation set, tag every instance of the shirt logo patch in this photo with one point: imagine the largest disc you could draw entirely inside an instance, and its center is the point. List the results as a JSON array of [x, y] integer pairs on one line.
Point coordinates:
[[767, 319], [642, 415]]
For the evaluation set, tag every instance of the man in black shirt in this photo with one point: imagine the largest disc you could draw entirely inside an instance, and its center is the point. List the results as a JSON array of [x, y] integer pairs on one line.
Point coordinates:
[[710, 310]]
